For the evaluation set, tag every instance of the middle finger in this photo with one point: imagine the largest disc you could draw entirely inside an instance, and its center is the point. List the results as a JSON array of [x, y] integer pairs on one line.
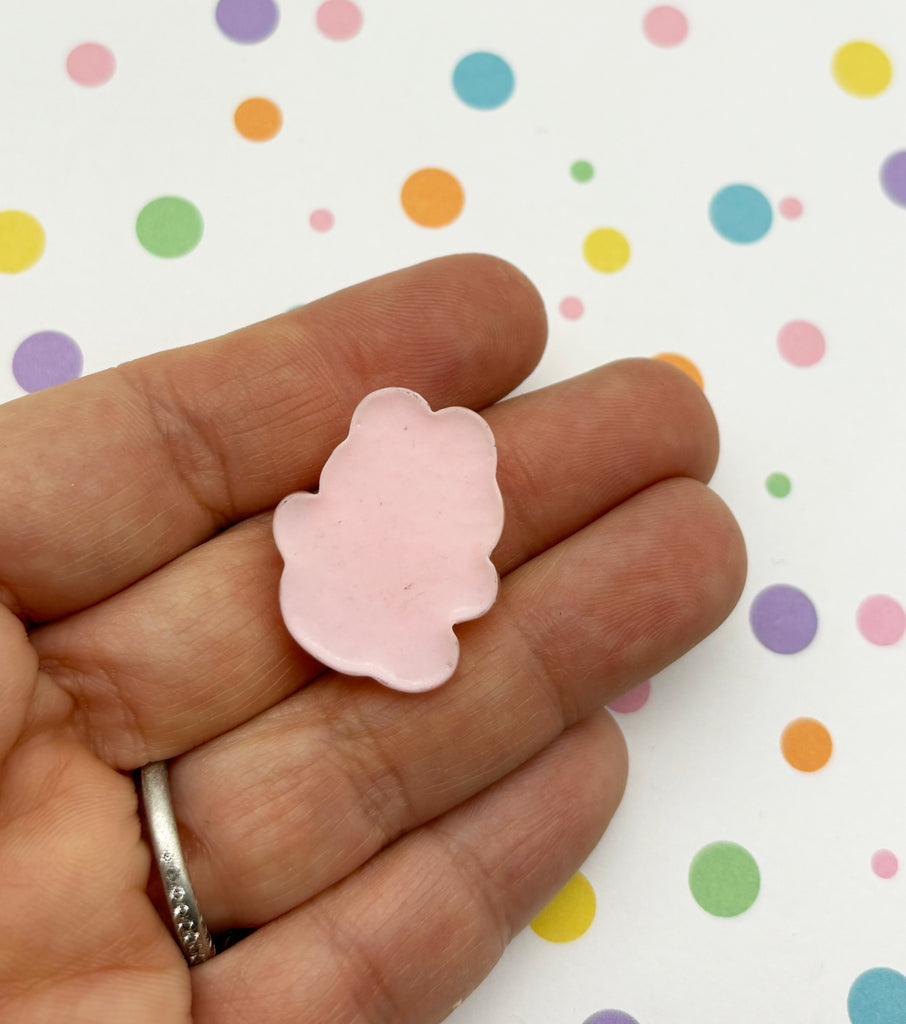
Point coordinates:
[[198, 647]]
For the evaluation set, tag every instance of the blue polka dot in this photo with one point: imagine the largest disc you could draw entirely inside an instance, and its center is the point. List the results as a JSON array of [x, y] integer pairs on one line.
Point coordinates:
[[741, 214], [483, 80], [878, 996]]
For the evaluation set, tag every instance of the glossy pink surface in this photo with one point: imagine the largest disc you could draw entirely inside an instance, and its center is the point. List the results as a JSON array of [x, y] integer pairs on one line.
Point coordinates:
[[395, 546]]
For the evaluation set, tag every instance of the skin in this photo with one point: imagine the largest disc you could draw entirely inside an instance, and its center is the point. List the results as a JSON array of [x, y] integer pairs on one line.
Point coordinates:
[[385, 847]]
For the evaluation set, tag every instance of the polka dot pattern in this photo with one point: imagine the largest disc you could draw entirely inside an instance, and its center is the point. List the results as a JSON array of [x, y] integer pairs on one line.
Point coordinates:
[[90, 64], [432, 197], [606, 250], [569, 914], [258, 119], [665, 26], [169, 226], [784, 619], [484, 81], [862, 69], [285, 151], [21, 241], [46, 358], [806, 744], [247, 21], [724, 879], [339, 19], [881, 620], [801, 343], [741, 214]]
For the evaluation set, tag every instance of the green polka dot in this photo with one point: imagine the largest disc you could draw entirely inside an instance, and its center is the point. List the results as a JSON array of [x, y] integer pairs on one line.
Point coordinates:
[[169, 226], [724, 879], [582, 170], [778, 484]]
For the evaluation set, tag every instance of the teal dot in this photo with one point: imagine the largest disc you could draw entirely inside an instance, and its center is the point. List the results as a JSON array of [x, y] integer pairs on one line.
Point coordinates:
[[778, 484], [582, 170], [483, 80], [724, 879], [878, 996], [741, 214], [169, 226]]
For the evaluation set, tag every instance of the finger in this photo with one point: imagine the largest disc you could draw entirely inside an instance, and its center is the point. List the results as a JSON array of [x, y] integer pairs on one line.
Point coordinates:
[[567, 453], [411, 934], [570, 452], [111, 476], [343, 768]]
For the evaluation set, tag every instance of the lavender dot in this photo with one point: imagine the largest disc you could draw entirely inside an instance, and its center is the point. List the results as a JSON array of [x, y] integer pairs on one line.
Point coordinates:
[[783, 619], [611, 1017], [45, 359], [247, 21], [893, 177]]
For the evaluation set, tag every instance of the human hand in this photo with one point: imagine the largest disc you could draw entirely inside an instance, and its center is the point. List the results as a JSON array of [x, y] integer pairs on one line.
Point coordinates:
[[384, 846]]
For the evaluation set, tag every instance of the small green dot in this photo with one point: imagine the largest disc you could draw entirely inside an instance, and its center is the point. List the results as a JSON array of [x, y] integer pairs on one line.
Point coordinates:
[[724, 879], [582, 170], [778, 484], [169, 226]]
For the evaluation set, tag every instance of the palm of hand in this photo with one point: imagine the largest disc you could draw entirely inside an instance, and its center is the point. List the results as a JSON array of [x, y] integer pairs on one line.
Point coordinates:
[[383, 846]]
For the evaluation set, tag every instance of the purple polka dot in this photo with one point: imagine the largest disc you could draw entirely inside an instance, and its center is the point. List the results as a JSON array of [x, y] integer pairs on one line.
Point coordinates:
[[783, 619], [247, 21], [893, 177], [610, 1017], [45, 359]]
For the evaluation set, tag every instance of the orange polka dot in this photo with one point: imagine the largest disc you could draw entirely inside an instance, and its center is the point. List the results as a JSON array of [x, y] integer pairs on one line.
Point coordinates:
[[682, 363], [806, 744], [432, 197], [258, 119]]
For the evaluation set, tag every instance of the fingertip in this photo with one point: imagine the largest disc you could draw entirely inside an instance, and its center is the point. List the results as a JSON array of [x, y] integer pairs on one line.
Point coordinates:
[[508, 301], [669, 387]]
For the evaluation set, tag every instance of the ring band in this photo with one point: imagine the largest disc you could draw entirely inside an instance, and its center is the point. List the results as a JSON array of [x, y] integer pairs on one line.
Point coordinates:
[[188, 925]]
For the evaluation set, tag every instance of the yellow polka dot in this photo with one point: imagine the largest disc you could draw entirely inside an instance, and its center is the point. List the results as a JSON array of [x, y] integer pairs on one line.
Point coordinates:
[[806, 744], [862, 69], [569, 914], [21, 241], [258, 119], [432, 197], [682, 363], [606, 250]]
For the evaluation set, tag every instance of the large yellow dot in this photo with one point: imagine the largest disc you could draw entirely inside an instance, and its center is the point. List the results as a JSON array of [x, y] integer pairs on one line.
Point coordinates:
[[21, 241], [606, 250], [432, 197], [682, 363], [569, 914], [862, 69]]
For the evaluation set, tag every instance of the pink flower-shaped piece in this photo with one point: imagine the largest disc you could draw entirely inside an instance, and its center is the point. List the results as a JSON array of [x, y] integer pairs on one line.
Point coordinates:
[[395, 547]]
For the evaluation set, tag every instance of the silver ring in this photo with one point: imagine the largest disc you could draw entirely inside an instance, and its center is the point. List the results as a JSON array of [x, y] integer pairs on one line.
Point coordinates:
[[188, 925]]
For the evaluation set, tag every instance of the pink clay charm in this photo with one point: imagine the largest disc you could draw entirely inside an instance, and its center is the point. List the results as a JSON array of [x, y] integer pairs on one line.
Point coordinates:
[[395, 547]]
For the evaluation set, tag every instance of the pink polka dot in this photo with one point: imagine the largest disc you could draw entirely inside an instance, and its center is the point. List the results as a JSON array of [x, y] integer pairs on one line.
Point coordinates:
[[790, 207], [881, 620], [90, 64], [636, 699], [339, 19], [571, 307], [800, 343], [665, 26], [884, 863], [321, 220]]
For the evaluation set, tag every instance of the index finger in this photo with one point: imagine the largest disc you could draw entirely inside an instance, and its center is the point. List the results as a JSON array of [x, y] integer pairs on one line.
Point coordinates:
[[110, 477]]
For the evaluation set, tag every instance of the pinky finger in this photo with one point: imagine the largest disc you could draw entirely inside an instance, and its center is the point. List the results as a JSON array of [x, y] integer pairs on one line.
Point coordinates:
[[412, 933]]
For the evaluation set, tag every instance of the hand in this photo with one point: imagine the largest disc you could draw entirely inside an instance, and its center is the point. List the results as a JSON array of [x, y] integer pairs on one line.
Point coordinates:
[[384, 846]]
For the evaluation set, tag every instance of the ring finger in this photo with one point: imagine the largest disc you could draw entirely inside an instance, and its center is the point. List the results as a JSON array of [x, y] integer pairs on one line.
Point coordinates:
[[288, 804]]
